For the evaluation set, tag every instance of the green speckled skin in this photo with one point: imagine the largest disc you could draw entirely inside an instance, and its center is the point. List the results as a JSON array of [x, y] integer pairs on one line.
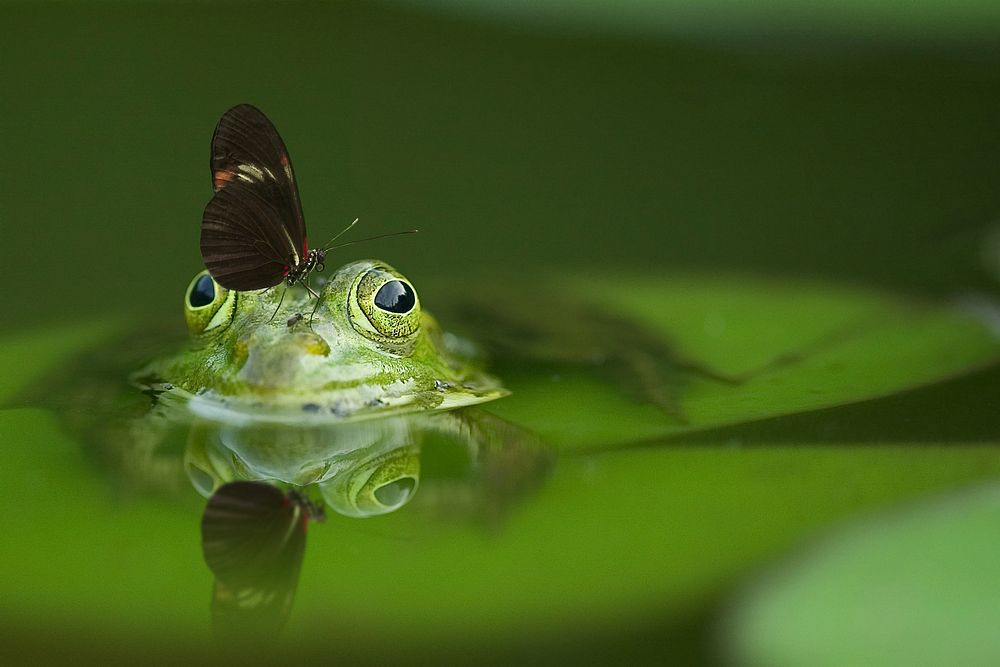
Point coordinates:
[[349, 361]]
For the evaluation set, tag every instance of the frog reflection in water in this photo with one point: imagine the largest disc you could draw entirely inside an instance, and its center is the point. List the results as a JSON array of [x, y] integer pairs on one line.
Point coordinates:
[[357, 468]]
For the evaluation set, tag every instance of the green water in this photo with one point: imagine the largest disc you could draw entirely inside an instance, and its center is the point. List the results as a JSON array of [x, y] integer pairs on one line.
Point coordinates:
[[623, 157]]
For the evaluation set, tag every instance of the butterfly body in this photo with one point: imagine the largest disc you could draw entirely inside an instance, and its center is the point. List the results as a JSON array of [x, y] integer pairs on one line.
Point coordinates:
[[314, 261]]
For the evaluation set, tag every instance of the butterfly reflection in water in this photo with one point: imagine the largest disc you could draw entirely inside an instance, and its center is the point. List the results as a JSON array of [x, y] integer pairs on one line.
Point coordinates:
[[253, 537], [253, 234]]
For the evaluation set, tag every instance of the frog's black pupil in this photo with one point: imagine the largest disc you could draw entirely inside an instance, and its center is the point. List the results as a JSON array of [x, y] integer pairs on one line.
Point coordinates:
[[395, 297], [203, 292]]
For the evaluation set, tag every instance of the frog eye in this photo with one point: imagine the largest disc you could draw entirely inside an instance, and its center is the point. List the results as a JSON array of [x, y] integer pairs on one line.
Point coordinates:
[[385, 308], [207, 304], [395, 297], [380, 485]]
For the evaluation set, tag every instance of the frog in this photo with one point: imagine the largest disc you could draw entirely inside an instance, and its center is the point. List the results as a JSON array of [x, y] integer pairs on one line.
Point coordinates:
[[336, 395], [367, 349]]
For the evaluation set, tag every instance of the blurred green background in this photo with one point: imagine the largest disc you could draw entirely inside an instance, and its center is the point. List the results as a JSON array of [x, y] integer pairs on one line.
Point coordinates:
[[792, 141], [847, 141]]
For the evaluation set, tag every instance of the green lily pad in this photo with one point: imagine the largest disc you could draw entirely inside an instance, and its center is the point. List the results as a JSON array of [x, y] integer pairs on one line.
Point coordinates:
[[915, 587], [801, 346]]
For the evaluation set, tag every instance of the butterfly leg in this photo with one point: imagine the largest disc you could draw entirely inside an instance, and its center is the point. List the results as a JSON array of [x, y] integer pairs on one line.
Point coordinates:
[[280, 301], [315, 305]]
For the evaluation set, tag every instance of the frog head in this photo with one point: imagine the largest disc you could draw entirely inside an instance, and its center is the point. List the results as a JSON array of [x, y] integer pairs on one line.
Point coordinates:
[[361, 346]]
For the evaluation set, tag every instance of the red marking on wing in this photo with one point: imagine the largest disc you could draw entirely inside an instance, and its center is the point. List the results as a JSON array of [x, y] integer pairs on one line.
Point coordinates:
[[284, 270], [220, 178], [284, 159], [305, 247]]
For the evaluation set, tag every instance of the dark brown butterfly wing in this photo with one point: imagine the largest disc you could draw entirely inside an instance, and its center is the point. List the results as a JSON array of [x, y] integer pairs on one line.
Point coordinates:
[[253, 540], [242, 243], [252, 231]]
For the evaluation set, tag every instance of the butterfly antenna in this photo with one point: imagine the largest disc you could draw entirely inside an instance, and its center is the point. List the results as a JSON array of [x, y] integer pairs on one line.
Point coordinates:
[[371, 238], [340, 233]]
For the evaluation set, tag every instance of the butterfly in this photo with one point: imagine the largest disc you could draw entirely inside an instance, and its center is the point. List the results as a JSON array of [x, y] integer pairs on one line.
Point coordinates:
[[253, 540], [253, 234]]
